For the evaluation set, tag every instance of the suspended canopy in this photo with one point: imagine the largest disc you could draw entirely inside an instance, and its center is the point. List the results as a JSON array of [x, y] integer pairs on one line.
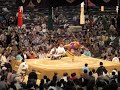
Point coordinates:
[[55, 3], [25, 3], [49, 3], [109, 3]]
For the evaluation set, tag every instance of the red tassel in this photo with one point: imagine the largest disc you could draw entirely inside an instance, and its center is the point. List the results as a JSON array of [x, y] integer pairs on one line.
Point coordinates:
[[20, 17]]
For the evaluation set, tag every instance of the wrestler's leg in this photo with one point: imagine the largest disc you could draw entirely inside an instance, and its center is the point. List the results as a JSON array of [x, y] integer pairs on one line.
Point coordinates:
[[73, 52]]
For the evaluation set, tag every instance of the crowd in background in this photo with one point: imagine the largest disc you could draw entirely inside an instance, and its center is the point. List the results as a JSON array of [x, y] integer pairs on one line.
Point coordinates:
[[99, 35]]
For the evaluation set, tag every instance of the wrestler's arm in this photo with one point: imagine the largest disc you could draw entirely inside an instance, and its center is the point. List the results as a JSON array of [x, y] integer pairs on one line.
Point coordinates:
[[67, 46], [74, 42]]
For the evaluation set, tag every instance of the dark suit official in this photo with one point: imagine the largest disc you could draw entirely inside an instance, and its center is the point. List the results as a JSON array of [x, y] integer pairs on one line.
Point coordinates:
[[32, 77], [101, 69], [24, 55]]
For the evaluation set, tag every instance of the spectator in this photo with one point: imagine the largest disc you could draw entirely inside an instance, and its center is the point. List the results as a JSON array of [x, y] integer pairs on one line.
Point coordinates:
[[87, 52], [19, 57], [3, 58], [41, 54], [31, 56], [3, 84], [8, 65], [56, 77], [94, 74], [90, 81], [73, 76], [85, 74], [46, 79], [65, 77], [9, 76], [59, 86], [115, 59], [52, 86], [41, 87]]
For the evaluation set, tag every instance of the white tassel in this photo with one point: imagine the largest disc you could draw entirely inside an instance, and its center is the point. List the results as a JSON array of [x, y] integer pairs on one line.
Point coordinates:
[[82, 16], [102, 8], [23, 1], [38, 1], [117, 8]]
